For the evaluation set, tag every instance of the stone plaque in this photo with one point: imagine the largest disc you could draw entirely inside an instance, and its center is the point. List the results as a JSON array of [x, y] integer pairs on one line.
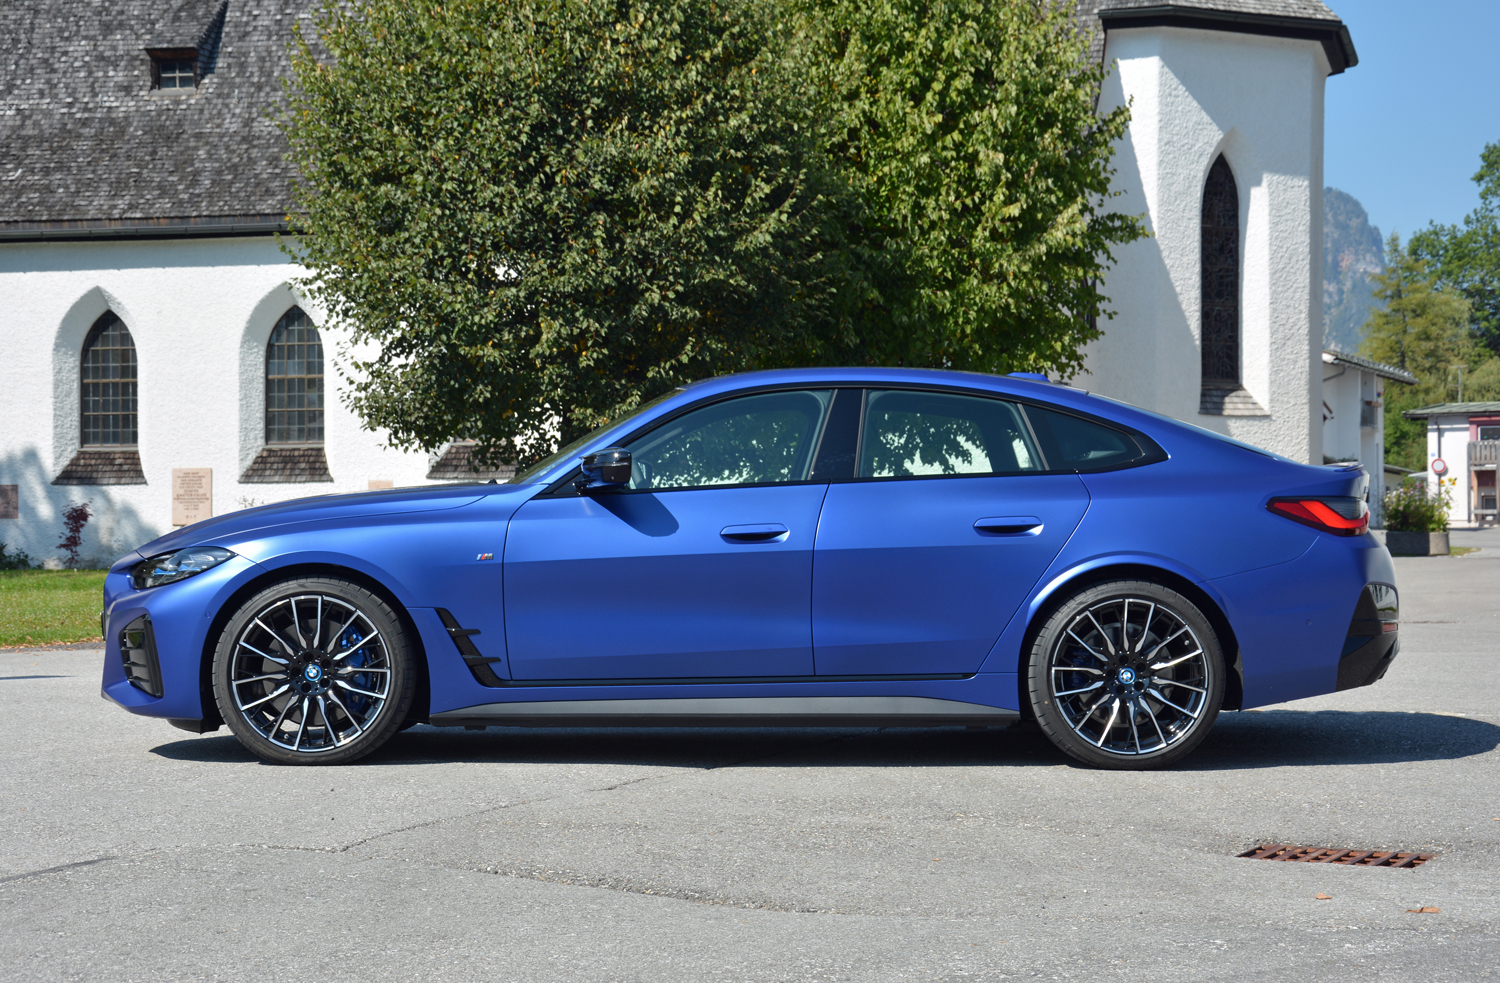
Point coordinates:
[[378, 483], [10, 502], [192, 495]]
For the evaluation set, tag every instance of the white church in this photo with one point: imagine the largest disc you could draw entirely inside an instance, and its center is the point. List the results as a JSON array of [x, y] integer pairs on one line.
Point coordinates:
[[160, 364]]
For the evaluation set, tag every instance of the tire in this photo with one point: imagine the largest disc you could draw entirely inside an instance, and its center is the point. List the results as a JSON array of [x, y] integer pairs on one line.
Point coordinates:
[[1142, 704], [314, 671]]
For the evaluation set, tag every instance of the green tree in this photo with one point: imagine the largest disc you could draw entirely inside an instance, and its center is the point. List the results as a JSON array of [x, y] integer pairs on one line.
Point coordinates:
[[1468, 257], [535, 214], [1423, 327], [969, 129]]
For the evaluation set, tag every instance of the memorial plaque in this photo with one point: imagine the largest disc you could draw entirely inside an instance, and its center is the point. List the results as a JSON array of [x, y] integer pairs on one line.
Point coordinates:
[[378, 483], [192, 495], [10, 502]]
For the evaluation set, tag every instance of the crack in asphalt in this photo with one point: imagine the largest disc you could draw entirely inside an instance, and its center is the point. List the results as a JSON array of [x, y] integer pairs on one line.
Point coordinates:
[[55, 870]]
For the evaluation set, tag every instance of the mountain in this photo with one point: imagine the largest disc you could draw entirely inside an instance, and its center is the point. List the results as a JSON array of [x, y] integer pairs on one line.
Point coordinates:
[[1352, 252]]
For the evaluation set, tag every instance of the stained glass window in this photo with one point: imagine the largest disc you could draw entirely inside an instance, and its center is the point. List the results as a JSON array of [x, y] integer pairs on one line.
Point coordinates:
[[1221, 279], [294, 381], [108, 385]]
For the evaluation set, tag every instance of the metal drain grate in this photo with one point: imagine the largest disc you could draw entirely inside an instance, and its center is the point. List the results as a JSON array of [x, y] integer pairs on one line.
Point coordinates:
[[1325, 855]]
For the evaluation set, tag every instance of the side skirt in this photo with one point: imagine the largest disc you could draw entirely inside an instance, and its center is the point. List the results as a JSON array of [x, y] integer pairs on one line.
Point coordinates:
[[769, 711]]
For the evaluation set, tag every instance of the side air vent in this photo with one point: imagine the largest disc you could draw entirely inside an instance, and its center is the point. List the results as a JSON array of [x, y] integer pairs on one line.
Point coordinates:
[[138, 653], [1372, 643], [462, 637]]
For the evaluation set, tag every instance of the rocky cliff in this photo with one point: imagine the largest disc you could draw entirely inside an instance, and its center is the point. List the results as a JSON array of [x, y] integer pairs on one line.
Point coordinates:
[[1353, 252]]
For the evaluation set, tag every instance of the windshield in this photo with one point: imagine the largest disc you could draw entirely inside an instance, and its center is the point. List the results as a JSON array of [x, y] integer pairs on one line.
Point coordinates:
[[561, 453], [1202, 430]]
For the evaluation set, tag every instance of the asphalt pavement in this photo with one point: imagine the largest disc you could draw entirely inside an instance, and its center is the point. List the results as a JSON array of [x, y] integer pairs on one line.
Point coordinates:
[[132, 851]]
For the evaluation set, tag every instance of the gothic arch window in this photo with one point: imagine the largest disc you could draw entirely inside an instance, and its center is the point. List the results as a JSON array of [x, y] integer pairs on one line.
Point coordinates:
[[1221, 281], [293, 450], [294, 381], [108, 383], [108, 409]]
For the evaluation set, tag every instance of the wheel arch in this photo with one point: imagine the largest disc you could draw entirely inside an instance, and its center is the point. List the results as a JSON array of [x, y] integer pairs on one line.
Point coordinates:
[[1064, 587], [421, 702]]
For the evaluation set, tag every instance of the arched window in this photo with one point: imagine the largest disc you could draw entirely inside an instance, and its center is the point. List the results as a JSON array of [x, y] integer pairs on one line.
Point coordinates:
[[1221, 281], [108, 385], [294, 381]]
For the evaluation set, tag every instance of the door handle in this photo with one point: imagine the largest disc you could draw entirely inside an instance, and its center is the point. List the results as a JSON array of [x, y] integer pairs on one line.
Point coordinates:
[[1009, 525], [765, 532]]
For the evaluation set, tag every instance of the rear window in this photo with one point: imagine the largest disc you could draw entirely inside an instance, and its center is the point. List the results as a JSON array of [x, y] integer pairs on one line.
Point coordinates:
[[1072, 443]]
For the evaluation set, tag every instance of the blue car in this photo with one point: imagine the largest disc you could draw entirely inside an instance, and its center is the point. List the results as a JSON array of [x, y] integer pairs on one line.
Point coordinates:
[[819, 547]]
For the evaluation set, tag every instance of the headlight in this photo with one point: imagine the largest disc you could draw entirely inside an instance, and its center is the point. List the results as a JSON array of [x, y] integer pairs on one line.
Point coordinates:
[[171, 567]]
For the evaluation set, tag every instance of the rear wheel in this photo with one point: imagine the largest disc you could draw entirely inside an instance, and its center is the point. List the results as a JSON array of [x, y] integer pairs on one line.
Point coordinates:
[[314, 671], [1126, 674]]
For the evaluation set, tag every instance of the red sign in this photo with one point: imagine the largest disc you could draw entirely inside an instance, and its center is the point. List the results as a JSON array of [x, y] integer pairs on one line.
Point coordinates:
[[1439, 466]]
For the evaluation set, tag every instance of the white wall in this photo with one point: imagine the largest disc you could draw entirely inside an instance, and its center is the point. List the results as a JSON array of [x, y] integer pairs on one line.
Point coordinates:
[[1448, 438], [200, 313], [1346, 390], [1259, 101]]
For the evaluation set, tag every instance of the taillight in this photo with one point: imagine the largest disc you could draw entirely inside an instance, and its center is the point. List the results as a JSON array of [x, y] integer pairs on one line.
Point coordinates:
[[1340, 516]]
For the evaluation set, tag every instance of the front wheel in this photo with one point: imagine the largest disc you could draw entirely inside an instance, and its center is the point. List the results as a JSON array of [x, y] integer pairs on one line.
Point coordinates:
[[314, 671], [1126, 674]]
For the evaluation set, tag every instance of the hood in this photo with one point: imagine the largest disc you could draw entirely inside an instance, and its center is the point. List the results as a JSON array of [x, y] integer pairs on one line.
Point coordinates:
[[222, 529]]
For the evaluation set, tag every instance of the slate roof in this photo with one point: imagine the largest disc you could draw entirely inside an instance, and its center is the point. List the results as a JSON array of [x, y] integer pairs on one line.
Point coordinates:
[[1379, 368], [1309, 19], [85, 143], [1453, 409]]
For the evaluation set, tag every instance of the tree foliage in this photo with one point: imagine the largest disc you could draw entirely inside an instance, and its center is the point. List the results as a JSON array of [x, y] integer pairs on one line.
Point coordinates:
[[1468, 258], [534, 215], [1422, 327], [969, 130]]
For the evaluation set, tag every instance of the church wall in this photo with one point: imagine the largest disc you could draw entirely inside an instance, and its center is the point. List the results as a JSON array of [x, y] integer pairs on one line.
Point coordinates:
[[200, 313], [1258, 101]]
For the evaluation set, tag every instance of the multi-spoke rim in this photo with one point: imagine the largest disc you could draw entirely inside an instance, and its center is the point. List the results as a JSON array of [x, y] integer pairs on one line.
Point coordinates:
[[1129, 675], [310, 672]]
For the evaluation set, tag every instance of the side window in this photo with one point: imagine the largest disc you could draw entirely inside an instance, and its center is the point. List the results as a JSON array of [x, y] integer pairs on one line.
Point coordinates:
[[912, 434], [1074, 444], [761, 439]]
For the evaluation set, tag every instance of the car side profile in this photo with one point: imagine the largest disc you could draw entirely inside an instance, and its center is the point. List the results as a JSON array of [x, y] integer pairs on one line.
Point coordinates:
[[814, 547]]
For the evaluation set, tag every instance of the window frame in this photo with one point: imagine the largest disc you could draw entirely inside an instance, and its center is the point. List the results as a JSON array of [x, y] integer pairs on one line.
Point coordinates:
[[1152, 452], [159, 56], [265, 375], [99, 327]]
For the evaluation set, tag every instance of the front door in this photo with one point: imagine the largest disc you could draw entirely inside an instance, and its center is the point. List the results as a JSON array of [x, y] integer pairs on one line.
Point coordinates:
[[700, 568], [949, 522]]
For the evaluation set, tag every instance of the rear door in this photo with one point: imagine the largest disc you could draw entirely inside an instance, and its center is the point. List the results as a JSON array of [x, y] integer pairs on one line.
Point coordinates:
[[948, 522]]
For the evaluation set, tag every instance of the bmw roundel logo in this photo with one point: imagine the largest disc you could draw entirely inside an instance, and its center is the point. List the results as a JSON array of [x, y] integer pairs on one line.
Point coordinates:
[[1127, 675], [313, 672]]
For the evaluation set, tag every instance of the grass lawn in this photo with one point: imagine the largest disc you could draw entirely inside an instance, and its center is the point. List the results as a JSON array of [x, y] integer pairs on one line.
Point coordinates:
[[41, 606]]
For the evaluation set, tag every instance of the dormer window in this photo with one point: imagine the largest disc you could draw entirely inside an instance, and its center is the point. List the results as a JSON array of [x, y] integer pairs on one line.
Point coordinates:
[[174, 69]]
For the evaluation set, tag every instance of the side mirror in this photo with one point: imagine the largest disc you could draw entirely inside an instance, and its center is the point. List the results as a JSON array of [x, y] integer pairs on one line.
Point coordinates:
[[609, 468]]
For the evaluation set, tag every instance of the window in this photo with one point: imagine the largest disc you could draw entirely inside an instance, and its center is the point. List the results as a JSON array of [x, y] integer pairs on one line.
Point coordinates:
[[108, 385], [174, 69], [1489, 433], [1074, 444], [1220, 275], [762, 439], [294, 381], [914, 434]]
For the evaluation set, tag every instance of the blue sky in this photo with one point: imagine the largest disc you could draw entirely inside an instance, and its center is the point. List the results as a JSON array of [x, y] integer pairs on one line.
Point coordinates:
[[1405, 126]]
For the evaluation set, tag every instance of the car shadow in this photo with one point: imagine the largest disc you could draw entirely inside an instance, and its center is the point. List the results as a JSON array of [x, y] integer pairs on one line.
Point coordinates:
[[1258, 739]]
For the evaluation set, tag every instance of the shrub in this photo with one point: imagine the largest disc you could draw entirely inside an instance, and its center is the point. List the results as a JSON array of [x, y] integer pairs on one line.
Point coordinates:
[[75, 517], [1412, 508], [14, 559]]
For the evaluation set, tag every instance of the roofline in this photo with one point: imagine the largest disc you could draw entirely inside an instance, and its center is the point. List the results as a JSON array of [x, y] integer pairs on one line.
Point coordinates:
[[1332, 34], [107, 229], [1370, 365], [1454, 409]]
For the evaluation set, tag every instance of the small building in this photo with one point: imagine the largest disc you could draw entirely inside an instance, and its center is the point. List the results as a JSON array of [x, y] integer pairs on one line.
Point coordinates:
[[1354, 414], [1463, 442]]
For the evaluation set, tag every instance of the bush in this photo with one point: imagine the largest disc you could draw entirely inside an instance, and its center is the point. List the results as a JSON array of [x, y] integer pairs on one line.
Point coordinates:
[[1412, 508], [14, 560]]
